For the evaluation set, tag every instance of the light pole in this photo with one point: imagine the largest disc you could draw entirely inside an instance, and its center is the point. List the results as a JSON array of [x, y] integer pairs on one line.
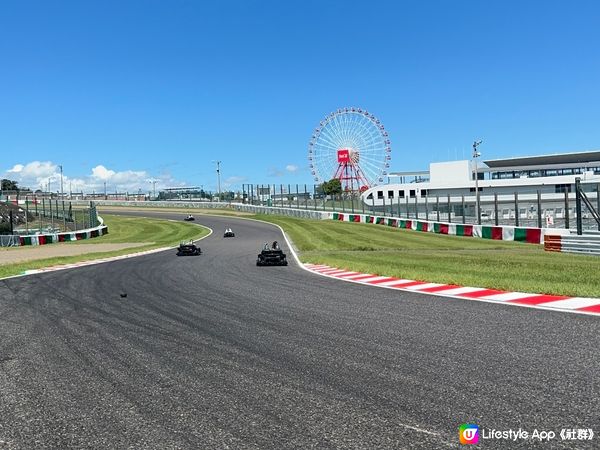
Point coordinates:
[[219, 177], [61, 182], [153, 182], [476, 155]]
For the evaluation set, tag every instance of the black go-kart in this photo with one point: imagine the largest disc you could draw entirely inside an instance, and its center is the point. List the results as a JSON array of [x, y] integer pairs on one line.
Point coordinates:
[[271, 256], [228, 233], [189, 218], [188, 249]]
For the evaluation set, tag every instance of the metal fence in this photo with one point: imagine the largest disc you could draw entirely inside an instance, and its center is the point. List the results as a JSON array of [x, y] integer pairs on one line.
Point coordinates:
[[32, 215], [531, 209]]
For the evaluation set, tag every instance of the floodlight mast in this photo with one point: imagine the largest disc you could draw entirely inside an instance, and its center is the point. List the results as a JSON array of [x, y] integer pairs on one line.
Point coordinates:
[[218, 177]]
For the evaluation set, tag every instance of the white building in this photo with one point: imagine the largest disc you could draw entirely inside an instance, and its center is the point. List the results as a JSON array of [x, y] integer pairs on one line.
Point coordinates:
[[548, 174]]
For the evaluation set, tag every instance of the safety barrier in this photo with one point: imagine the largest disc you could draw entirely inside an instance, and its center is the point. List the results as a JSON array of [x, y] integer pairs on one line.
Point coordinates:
[[501, 233], [51, 238], [292, 212], [572, 243]]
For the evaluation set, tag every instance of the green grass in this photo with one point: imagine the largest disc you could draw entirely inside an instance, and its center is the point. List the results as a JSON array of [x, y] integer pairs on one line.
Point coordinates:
[[383, 250], [464, 261], [155, 233]]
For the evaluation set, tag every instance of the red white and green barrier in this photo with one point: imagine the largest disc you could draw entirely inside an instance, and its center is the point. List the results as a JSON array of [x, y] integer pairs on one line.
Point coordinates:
[[69, 236], [500, 233]]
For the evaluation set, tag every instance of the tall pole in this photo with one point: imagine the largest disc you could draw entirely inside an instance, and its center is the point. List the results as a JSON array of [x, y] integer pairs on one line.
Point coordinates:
[[476, 155], [219, 177], [61, 182]]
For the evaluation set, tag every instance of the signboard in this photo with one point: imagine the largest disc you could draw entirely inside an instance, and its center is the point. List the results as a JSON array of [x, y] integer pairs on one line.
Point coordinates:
[[343, 156]]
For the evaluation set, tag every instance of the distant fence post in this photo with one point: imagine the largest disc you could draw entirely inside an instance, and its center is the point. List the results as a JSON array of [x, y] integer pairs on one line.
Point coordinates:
[[449, 215], [539, 208], [496, 208], [437, 206], [567, 212], [416, 206], [578, 205], [26, 215], [516, 209], [598, 201]]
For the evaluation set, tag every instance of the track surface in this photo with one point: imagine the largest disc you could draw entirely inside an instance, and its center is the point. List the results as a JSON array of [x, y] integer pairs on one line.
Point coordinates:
[[214, 352]]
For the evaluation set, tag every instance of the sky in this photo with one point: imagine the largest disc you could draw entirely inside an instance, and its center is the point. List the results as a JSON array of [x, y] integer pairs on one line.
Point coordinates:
[[126, 92]]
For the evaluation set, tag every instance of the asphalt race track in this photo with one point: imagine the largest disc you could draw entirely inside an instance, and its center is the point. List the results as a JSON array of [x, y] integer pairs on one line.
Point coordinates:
[[211, 351]]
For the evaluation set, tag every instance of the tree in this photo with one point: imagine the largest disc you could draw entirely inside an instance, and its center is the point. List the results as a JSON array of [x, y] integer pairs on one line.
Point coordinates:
[[9, 185], [332, 187]]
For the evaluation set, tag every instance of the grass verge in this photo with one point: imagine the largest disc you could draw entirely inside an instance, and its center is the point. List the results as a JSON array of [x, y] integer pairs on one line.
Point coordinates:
[[463, 261], [160, 233]]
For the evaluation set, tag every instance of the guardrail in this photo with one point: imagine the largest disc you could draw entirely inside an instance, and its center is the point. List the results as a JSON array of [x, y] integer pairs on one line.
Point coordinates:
[[506, 233], [291, 212], [584, 244]]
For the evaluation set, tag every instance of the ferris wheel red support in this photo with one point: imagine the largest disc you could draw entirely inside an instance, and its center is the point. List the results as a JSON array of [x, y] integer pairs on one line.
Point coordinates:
[[349, 173]]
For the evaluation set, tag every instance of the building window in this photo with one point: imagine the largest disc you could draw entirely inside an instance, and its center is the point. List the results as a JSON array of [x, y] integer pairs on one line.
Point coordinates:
[[370, 196], [412, 193], [390, 194], [379, 194], [423, 192], [558, 188], [401, 194]]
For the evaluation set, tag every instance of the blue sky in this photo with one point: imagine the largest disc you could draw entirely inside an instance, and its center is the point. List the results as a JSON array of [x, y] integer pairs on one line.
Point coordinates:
[[127, 91]]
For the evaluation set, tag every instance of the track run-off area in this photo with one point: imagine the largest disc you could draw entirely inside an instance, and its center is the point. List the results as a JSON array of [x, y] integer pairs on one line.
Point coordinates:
[[212, 351]]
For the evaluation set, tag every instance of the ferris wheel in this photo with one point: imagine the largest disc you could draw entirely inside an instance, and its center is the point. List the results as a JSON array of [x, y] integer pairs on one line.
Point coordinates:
[[351, 145]]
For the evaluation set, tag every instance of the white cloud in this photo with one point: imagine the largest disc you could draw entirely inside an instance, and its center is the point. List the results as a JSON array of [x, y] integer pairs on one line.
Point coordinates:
[[102, 173], [41, 175], [18, 168], [291, 168]]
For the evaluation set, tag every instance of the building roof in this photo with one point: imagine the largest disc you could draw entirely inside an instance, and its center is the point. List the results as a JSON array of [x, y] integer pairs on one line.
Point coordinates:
[[559, 158]]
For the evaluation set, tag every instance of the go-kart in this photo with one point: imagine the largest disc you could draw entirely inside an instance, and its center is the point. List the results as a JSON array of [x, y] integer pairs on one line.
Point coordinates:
[[271, 256], [189, 218], [228, 233], [188, 249]]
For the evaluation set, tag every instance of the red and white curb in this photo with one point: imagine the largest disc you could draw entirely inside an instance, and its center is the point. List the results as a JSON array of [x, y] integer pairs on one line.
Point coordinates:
[[579, 305]]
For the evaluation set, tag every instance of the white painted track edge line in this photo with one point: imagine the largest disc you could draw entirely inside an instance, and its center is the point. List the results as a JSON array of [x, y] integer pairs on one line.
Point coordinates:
[[103, 260]]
